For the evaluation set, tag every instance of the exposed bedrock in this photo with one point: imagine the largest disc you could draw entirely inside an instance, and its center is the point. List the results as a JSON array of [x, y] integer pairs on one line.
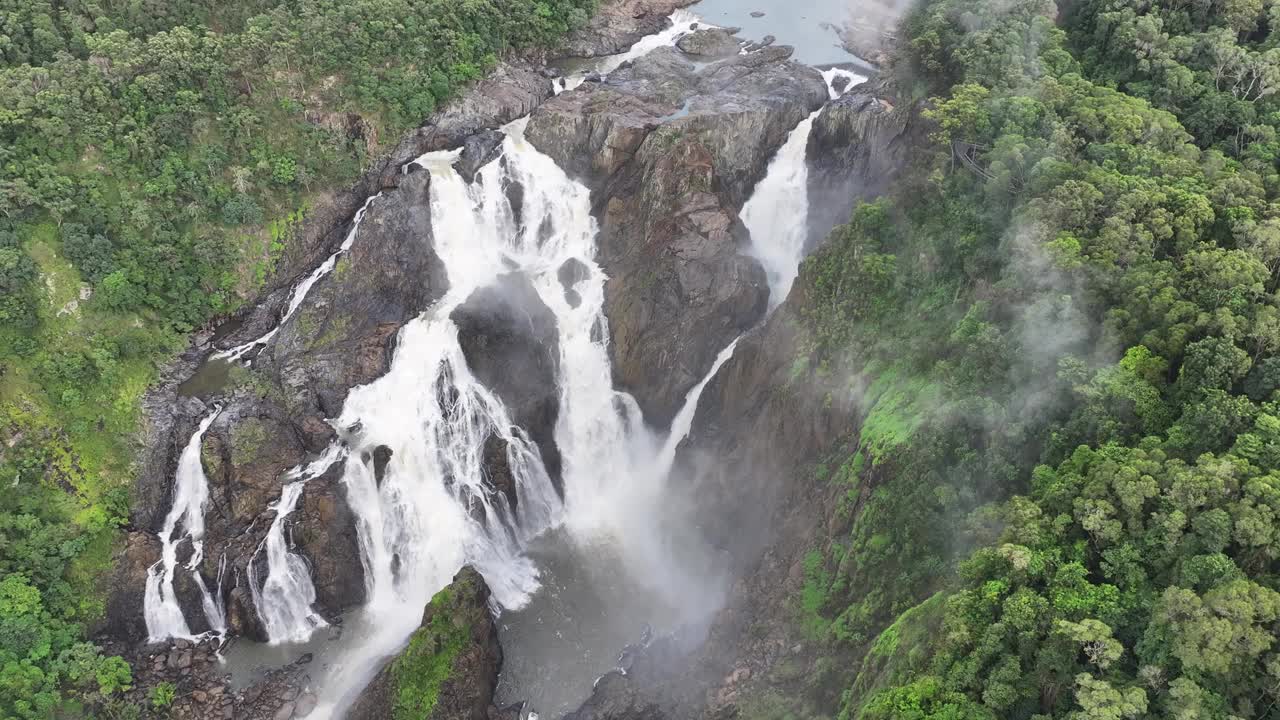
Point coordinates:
[[856, 148], [510, 340], [616, 26], [671, 149]]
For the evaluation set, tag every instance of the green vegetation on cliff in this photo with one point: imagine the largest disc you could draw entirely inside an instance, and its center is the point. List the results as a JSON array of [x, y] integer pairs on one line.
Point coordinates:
[[154, 160], [1082, 511], [418, 673]]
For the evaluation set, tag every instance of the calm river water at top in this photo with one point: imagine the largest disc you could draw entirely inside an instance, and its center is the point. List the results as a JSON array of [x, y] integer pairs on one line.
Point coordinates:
[[807, 25]]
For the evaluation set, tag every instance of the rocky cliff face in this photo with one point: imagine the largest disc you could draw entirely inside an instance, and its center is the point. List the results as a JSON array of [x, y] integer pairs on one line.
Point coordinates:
[[510, 340], [758, 429], [671, 148], [450, 667], [856, 148]]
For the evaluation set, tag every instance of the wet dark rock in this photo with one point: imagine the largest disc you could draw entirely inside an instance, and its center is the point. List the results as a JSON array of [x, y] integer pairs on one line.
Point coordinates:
[[325, 534], [381, 458], [511, 343], [497, 467], [713, 43], [477, 151], [242, 616], [856, 148], [457, 617], [616, 26], [768, 40], [127, 586], [757, 13], [343, 335], [671, 150]]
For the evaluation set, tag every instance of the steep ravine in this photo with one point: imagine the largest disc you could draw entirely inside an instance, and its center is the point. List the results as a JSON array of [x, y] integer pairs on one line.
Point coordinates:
[[668, 148]]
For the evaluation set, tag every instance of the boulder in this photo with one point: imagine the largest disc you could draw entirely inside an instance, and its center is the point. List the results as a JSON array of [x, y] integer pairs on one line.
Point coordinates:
[[511, 342], [712, 43], [449, 669], [477, 151]]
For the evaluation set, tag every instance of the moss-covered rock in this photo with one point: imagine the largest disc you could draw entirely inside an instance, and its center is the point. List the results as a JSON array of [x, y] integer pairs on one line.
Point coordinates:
[[449, 669]]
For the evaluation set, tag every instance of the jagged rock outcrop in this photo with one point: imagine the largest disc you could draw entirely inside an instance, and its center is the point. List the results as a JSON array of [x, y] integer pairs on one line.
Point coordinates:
[[449, 669], [710, 43], [477, 151], [671, 149], [510, 340], [342, 336], [617, 26], [856, 148]]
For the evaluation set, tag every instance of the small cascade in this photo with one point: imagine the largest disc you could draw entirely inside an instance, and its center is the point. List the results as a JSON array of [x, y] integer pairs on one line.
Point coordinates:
[[301, 289], [682, 22], [285, 594], [830, 75], [683, 421], [284, 598], [184, 522], [777, 213]]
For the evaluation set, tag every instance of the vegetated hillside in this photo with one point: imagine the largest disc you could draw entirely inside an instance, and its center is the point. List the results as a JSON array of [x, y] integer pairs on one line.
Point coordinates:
[[1064, 323], [155, 158]]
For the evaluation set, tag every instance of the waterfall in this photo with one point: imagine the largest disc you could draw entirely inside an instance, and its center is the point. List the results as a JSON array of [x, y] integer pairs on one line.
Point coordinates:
[[300, 291], [284, 598], [683, 420], [777, 213], [190, 494]]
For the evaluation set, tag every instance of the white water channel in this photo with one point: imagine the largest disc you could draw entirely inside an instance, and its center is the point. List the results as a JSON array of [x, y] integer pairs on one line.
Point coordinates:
[[777, 213], [184, 523], [300, 290], [433, 510]]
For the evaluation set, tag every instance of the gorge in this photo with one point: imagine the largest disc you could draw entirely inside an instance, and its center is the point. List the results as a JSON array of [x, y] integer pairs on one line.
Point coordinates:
[[639, 360], [410, 432]]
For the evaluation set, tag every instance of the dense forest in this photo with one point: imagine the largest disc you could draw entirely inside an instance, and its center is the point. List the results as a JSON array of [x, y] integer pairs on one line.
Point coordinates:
[[154, 158], [1066, 327]]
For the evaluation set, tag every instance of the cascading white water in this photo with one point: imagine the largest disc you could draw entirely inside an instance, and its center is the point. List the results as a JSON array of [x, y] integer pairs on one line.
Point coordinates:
[[777, 213], [683, 421], [682, 22], [286, 589], [830, 75], [301, 289], [284, 597], [190, 494], [432, 511]]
